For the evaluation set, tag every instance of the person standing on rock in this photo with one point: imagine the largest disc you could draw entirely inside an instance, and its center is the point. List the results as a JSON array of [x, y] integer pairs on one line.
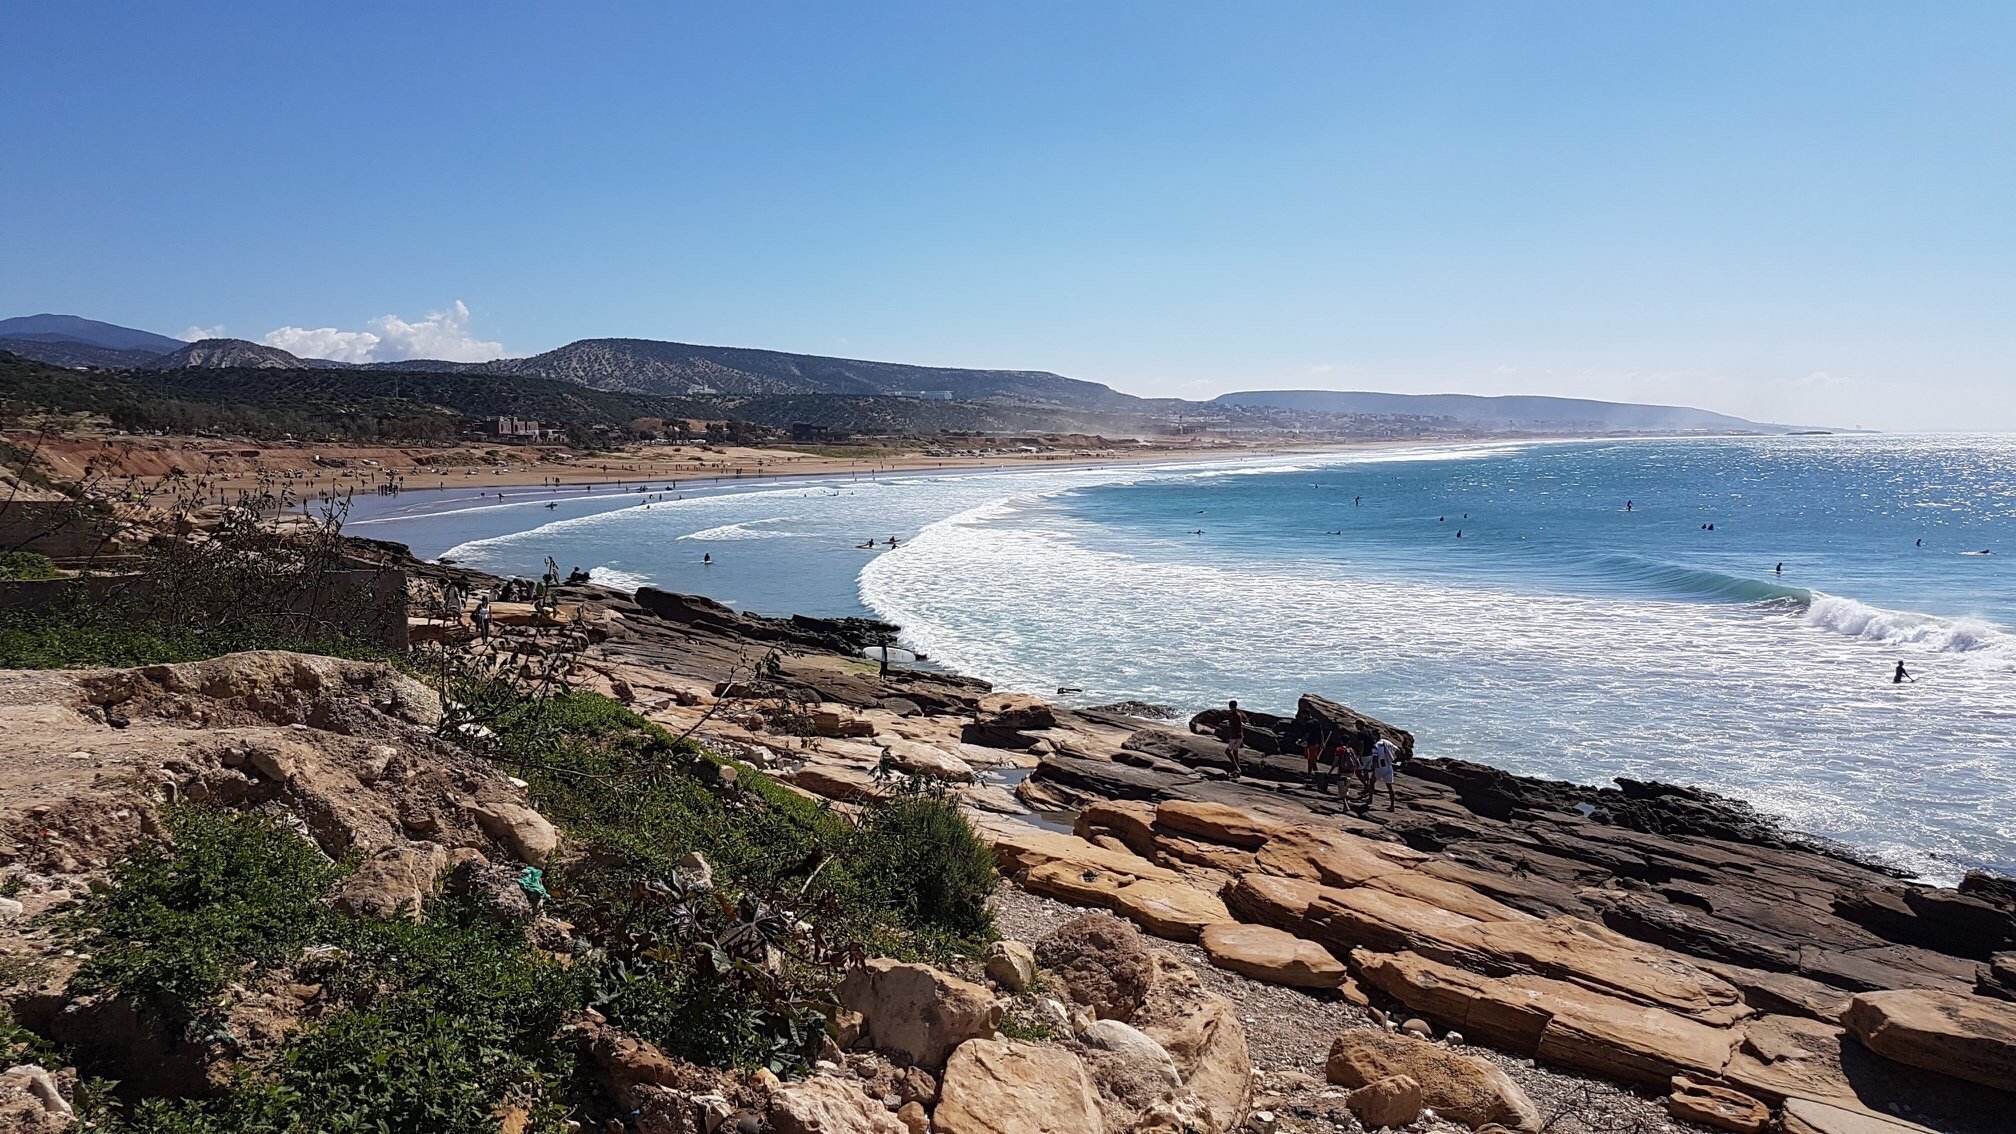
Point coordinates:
[[483, 614], [1354, 766], [1383, 754], [1314, 743], [1235, 737]]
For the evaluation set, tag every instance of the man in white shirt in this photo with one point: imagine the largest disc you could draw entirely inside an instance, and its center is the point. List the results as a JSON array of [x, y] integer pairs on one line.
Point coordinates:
[[1383, 754]]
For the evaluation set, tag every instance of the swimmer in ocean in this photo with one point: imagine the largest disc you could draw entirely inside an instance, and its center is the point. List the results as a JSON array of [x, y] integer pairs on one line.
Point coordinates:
[[1900, 677]]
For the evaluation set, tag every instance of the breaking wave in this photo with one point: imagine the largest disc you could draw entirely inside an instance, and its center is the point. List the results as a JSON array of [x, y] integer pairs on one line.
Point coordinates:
[[1976, 639]]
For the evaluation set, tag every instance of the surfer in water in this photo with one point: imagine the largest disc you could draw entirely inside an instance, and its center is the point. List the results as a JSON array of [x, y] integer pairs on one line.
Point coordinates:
[[1778, 570], [707, 557], [1629, 505], [1900, 677]]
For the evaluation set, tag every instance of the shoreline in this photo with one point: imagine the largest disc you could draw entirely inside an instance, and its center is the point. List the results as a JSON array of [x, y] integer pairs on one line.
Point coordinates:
[[170, 467], [412, 506], [827, 586]]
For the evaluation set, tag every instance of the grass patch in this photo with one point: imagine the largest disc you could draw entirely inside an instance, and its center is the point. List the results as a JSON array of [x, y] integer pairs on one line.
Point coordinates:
[[722, 976], [60, 642], [232, 892], [26, 566], [426, 1027]]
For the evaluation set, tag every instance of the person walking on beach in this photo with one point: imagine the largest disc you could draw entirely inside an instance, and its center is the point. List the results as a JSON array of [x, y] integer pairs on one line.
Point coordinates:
[[1383, 753], [483, 615], [1235, 737], [1900, 677]]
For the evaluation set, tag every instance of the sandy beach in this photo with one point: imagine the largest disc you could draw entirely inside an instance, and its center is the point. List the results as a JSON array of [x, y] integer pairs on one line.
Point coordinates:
[[163, 469]]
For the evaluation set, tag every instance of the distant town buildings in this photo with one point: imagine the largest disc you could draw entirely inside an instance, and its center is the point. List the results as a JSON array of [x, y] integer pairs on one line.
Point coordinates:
[[523, 428]]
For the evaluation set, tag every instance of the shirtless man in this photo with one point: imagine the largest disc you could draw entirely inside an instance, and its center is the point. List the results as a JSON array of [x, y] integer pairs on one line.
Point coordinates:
[[1235, 737]]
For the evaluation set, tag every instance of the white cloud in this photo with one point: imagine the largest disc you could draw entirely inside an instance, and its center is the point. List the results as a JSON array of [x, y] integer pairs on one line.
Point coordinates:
[[325, 342], [196, 334], [442, 334], [1818, 379]]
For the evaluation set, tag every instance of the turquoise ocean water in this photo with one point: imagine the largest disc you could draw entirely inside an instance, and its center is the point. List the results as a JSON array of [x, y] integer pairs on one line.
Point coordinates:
[[1560, 635]]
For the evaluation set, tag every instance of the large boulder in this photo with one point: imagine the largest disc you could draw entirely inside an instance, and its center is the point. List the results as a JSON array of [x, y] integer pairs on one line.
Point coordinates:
[[395, 879], [1272, 955], [525, 832], [1452, 1084], [917, 1010], [1200, 1031], [1101, 962], [1000, 1087], [1015, 712], [828, 1104], [1968, 1037], [1324, 716], [1132, 1073]]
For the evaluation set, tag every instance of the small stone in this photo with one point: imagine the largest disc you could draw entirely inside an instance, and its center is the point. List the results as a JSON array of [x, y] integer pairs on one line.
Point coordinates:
[[9, 909], [1453, 1039], [1418, 1027], [913, 1118], [1012, 965]]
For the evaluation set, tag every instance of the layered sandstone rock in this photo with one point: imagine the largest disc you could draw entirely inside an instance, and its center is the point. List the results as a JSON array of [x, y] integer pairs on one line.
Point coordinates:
[[1707, 1104], [1454, 1085], [1968, 1037], [1275, 956]]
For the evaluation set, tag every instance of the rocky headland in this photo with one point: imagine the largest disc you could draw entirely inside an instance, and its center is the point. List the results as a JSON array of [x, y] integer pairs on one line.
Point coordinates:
[[1182, 950]]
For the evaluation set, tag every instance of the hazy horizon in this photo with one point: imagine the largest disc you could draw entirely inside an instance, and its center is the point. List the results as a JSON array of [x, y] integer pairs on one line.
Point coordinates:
[[1789, 214]]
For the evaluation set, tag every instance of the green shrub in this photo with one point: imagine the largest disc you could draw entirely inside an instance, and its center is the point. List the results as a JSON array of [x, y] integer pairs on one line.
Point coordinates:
[[60, 642], [179, 920], [924, 863], [26, 566]]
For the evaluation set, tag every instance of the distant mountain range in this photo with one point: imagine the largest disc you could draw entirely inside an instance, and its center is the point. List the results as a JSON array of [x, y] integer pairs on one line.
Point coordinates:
[[1517, 411], [75, 329], [730, 377]]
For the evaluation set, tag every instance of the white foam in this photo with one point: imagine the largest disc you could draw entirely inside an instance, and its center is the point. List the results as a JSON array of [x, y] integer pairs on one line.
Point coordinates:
[[746, 529], [1743, 698], [1973, 639], [621, 580]]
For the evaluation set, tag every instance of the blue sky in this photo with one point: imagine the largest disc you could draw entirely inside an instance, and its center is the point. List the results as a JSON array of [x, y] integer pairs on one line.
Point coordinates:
[[1796, 211]]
